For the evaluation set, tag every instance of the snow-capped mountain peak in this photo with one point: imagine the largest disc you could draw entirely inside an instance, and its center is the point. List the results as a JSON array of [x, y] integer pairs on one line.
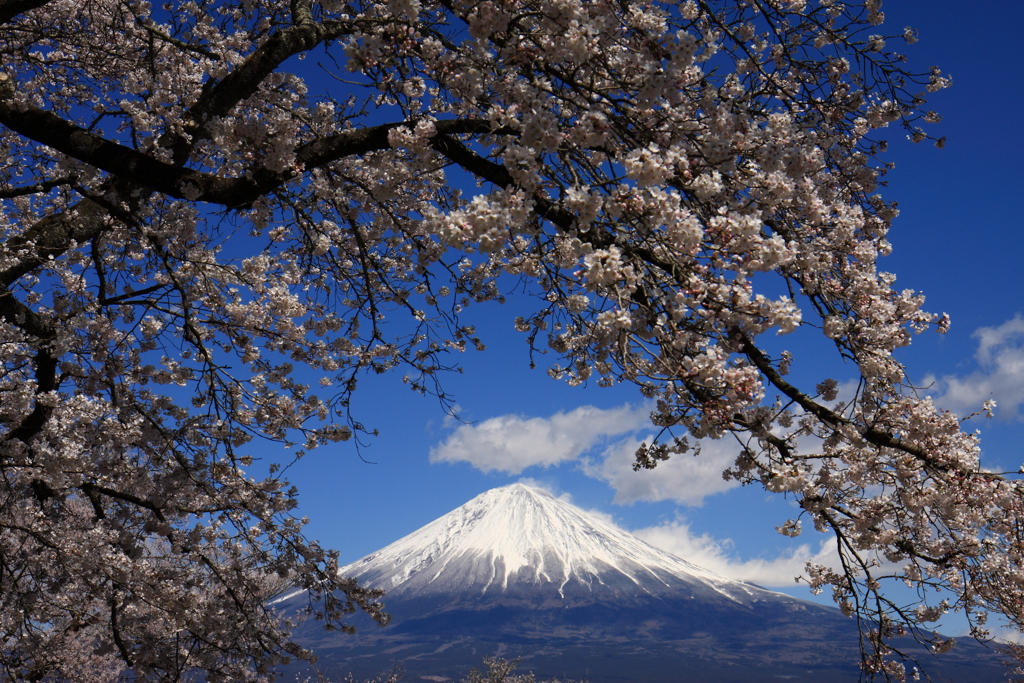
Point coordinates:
[[518, 538], [520, 573]]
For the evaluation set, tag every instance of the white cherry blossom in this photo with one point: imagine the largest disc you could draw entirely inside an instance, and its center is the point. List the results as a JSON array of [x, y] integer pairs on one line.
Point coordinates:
[[189, 215]]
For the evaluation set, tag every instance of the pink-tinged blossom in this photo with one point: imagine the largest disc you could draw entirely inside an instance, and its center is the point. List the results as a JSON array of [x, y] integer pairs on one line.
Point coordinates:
[[660, 172]]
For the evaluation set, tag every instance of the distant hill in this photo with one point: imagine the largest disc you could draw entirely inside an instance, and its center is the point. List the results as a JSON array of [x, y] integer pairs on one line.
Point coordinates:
[[519, 573]]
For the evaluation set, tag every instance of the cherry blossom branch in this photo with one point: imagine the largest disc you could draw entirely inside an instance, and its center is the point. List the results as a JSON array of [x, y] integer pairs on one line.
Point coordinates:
[[184, 183], [643, 184], [50, 237], [870, 434], [180, 44], [38, 188], [19, 315], [496, 174], [218, 99]]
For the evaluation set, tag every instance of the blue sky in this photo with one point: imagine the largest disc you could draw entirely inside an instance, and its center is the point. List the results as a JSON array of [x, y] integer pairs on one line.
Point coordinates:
[[959, 239]]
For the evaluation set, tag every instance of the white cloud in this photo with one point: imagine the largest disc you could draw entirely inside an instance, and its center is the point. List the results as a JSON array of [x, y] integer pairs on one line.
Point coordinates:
[[705, 551], [512, 443], [1002, 634], [684, 478], [1000, 357], [543, 485]]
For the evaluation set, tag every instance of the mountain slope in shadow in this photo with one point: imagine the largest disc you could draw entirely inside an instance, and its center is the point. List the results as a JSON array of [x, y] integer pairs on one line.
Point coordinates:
[[516, 572]]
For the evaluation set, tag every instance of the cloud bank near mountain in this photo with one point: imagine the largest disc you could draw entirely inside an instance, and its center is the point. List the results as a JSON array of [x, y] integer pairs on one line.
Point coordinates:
[[719, 555], [513, 443]]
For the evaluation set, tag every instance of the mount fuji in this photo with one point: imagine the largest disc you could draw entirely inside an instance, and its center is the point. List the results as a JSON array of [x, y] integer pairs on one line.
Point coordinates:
[[517, 572]]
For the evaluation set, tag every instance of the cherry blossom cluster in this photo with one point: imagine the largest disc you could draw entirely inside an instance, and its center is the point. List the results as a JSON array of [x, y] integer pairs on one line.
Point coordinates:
[[208, 242]]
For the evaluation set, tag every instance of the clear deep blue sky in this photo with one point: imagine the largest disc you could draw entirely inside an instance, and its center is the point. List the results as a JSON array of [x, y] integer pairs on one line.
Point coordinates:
[[959, 239]]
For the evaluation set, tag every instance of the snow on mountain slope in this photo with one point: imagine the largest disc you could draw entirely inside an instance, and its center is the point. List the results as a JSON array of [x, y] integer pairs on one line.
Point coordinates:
[[518, 538], [519, 572]]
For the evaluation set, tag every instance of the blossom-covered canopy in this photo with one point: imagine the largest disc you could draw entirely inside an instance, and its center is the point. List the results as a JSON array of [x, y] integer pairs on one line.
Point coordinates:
[[192, 211]]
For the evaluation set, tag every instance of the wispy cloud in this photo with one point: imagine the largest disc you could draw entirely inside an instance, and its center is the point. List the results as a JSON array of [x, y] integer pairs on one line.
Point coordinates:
[[684, 478], [1002, 634], [1000, 374], [512, 443], [719, 556]]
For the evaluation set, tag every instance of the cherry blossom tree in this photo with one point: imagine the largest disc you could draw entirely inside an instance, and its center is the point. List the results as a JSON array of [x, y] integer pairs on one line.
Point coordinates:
[[502, 671], [196, 220]]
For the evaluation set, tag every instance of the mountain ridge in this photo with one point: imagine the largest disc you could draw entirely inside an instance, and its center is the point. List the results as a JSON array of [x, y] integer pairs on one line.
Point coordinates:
[[553, 542], [518, 571]]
